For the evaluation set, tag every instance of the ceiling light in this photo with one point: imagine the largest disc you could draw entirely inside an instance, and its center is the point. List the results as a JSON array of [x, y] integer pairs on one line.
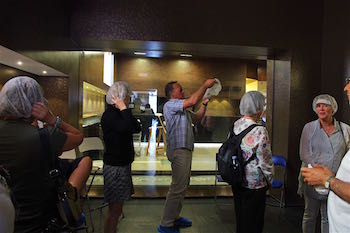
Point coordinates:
[[185, 55], [19, 63], [139, 53], [92, 52], [108, 68], [44, 72]]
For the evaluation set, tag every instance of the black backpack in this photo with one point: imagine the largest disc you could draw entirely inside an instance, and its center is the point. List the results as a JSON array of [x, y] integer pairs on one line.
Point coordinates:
[[230, 159]]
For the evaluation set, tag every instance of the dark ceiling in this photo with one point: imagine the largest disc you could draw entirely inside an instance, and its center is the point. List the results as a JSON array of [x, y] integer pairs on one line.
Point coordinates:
[[63, 25], [161, 49]]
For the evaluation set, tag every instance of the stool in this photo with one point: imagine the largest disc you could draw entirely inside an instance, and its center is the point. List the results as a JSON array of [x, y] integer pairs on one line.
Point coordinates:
[[161, 134]]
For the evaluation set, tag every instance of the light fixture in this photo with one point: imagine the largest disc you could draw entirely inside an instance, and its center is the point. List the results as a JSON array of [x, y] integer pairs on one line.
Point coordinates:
[[185, 55], [19, 63], [44, 72], [140, 53], [108, 68]]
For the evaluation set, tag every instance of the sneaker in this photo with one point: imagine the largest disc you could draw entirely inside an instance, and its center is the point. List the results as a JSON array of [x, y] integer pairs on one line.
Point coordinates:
[[162, 229], [182, 222], [79, 222]]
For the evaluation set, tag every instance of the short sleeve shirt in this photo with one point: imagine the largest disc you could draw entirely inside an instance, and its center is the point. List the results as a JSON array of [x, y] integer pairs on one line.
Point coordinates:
[[338, 209], [27, 158], [178, 125]]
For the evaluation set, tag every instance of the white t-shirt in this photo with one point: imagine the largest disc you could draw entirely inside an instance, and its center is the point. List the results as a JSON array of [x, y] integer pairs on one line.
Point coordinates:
[[338, 209]]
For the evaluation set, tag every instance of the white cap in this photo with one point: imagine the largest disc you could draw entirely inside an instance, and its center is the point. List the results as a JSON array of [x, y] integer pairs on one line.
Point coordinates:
[[325, 99]]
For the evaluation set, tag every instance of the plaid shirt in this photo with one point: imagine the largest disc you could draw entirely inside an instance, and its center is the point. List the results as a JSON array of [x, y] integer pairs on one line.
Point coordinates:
[[178, 125]]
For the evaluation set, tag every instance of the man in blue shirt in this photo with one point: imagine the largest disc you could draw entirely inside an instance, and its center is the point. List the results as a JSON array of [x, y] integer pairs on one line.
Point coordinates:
[[180, 142]]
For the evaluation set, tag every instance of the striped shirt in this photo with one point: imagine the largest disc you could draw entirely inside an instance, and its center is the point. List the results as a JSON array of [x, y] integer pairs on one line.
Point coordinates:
[[178, 125]]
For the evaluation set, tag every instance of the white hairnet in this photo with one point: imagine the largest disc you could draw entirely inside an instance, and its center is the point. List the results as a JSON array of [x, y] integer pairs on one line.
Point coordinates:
[[251, 103], [325, 99], [18, 95], [120, 90]]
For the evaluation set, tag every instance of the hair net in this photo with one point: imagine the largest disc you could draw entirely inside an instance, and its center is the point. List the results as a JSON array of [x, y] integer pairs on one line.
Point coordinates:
[[120, 90], [325, 99], [18, 95], [251, 103]]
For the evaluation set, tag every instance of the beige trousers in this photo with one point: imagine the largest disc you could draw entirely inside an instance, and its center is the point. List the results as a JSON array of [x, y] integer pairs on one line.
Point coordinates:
[[181, 160]]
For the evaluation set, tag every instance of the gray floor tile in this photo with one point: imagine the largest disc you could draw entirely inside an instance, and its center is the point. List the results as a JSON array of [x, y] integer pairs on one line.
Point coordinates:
[[208, 216]]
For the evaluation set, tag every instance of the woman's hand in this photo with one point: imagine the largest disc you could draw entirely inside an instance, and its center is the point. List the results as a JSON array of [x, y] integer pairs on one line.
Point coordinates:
[[317, 175], [118, 103], [41, 112]]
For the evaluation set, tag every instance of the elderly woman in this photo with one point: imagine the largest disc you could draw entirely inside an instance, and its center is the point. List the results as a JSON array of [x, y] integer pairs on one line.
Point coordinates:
[[251, 197], [118, 125], [323, 141], [25, 155]]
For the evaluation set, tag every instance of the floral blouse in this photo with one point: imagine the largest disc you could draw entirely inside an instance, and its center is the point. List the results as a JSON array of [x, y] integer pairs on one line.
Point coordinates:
[[260, 170]]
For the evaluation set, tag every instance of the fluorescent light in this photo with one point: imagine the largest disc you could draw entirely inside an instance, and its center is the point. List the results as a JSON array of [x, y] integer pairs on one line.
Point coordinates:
[[108, 68], [185, 55], [19, 63], [92, 52], [139, 53], [44, 72]]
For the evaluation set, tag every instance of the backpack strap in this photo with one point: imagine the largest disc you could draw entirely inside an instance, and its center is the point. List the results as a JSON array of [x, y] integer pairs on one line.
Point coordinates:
[[241, 135], [342, 133], [46, 141], [231, 133]]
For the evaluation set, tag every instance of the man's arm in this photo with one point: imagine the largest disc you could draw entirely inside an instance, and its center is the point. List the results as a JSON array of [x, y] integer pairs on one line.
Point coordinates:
[[195, 97], [320, 174], [341, 188], [201, 111]]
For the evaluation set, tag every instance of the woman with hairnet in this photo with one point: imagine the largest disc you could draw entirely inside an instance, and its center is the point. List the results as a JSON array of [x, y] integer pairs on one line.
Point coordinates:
[[251, 197], [26, 151], [118, 125], [323, 141]]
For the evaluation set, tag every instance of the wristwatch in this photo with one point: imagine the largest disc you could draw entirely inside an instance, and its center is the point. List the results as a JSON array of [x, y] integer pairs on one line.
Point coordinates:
[[328, 181], [58, 122]]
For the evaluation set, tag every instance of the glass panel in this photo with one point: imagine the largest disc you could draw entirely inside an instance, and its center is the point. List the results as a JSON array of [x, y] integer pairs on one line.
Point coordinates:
[[151, 168]]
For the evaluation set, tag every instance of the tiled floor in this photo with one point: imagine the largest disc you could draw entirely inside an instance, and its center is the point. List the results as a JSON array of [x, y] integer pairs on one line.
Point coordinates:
[[208, 216]]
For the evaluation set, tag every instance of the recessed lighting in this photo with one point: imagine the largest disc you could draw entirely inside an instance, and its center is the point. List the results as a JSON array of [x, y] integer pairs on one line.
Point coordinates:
[[139, 53], [185, 55], [19, 63], [44, 72]]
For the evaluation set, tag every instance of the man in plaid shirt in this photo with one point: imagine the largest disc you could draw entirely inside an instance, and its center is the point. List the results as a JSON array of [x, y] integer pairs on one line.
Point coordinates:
[[180, 141]]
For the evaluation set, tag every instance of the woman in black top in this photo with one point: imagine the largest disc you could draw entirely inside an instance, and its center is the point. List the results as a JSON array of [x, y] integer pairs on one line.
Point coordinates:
[[118, 125], [26, 156]]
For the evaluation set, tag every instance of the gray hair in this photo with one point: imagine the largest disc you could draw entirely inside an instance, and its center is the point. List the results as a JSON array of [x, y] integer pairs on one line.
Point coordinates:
[[325, 99], [120, 90], [251, 103], [18, 95]]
